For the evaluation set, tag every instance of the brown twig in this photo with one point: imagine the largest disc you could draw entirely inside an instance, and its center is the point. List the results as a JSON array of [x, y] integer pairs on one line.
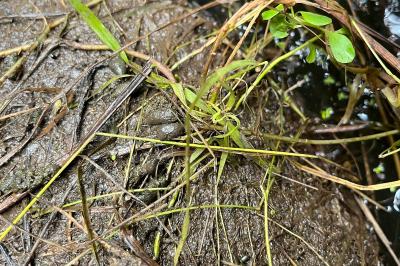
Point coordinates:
[[100, 47], [5, 117], [10, 200], [338, 129], [377, 229]]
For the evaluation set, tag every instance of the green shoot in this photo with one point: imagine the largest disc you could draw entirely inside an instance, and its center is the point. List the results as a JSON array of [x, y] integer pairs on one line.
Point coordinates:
[[98, 27]]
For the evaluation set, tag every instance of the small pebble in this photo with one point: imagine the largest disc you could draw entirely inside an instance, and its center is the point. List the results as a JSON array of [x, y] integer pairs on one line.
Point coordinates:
[[166, 131], [157, 116], [117, 66], [244, 259]]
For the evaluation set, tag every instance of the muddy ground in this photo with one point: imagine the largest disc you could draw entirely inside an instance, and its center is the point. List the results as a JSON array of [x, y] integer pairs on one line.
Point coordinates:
[[321, 218]]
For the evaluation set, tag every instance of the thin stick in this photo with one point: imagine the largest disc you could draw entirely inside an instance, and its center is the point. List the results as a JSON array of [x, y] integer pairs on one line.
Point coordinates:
[[377, 229], [202, 146], [101, 47], [19, 113], [268, 136], [324, 175]]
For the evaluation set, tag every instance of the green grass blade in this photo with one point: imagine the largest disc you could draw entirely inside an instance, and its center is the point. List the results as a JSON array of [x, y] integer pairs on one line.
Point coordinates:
[[220, 73], [192, 97], [86, 214], [222, 162], [98, 27], [156, 249], [182, 241]]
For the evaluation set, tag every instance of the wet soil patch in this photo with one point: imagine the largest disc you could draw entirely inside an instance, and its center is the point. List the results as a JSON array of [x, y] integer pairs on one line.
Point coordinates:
[[311, 220]]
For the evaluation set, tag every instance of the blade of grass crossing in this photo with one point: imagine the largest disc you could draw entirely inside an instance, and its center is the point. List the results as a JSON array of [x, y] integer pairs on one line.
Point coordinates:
[[85, 213], [156, 249], [184, 234], [266, 227], [222, 161], [98, 27], [249, 151]]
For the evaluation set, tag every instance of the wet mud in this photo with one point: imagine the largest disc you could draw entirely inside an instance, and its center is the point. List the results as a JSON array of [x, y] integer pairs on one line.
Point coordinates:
[[307, 222]]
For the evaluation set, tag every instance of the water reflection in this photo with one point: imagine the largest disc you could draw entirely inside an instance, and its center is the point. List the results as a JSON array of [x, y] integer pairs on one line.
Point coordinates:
[[392, 18], [396, 201]]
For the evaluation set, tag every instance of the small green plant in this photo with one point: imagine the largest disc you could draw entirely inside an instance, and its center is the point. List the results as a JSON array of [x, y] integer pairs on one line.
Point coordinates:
[[280, 23], [312, 55], [326, 113], [380, 169], [342, 96], [329, 80]]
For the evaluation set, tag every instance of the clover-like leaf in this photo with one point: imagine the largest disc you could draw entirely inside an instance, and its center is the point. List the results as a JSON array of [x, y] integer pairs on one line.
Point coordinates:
[[341, 47], [279, 26], [315, 19], [312, 54], [269, 14], [327, 113]]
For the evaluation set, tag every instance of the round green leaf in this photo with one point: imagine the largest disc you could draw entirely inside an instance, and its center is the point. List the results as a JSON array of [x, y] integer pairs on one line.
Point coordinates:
[[279, 34], [341, 47], [315, 19], [312, 54], [267, 15], [280, 7], [327, 113], [279, 26]]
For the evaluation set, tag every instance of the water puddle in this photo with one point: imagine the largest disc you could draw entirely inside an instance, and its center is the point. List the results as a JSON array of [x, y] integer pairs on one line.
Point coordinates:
[[392, 18]]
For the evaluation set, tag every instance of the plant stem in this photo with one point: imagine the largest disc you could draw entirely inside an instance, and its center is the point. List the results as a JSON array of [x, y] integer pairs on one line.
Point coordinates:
[[330, 141], [272, 64]]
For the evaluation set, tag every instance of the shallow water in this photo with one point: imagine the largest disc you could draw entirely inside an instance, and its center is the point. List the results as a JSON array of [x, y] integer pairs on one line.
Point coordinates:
[[384, 17], [392, 18]]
